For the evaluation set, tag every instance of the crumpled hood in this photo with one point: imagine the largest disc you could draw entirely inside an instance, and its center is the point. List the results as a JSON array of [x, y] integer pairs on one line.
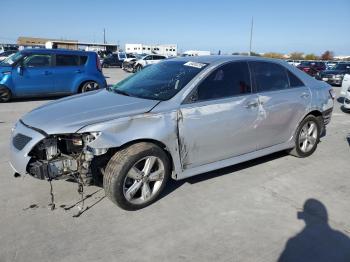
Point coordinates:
[[70, 114]]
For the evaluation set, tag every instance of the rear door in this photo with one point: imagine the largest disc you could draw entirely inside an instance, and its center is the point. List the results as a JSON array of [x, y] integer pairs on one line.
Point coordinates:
[[36, 77], [220, 122], [67, 68], [283, 101]]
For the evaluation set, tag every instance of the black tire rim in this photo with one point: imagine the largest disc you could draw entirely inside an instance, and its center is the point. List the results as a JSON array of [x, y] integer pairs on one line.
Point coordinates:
[[5, 95], [89, 86]]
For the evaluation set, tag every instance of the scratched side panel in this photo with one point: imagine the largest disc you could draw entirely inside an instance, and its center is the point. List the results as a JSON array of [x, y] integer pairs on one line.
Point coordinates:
[[216, 130]]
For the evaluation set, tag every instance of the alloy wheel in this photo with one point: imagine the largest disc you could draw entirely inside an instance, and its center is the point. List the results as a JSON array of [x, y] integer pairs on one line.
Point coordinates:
[[144, 180], [308, 136]]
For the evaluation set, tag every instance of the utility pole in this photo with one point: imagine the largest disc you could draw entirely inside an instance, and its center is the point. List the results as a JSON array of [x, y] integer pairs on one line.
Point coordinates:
[[251, 37], [104, 35]]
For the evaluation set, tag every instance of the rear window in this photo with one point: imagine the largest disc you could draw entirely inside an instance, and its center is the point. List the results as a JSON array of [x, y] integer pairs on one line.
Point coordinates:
[[70, 60], [67, 60], [294, 81], [83, 60], [270, 76]]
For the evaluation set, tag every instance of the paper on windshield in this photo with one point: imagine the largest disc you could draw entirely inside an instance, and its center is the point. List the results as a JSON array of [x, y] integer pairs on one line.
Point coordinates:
[[195, 64]]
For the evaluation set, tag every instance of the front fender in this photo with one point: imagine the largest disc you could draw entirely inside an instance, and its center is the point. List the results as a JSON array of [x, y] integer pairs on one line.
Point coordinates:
[[161, 127]]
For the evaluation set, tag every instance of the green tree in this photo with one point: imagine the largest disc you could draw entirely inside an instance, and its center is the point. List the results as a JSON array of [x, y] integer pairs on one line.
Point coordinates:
[[273, 55], [254, 54], [296, 56], [311, 57]]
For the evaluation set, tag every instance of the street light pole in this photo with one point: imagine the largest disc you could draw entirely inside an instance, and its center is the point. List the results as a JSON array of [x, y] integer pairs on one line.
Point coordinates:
[[104, 35], [251, 37]]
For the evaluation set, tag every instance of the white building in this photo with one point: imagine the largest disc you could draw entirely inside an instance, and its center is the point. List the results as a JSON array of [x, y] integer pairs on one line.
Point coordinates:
[[168, 50], [195, 53]]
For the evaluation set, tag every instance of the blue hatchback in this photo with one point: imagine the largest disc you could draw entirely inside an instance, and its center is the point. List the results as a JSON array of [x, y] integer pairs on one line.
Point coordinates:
[[45, 72]]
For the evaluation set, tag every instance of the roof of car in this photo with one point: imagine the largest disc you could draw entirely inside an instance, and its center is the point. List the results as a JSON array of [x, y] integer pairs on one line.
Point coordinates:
[[56, 51], [211, 59]]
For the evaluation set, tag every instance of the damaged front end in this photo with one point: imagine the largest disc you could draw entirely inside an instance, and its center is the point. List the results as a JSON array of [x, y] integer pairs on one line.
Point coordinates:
[[64, 156]]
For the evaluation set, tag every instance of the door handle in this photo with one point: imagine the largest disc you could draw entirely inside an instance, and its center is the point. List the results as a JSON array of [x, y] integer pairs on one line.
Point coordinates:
[[78, 71], [304, 95], [252, 104], [47, 73]]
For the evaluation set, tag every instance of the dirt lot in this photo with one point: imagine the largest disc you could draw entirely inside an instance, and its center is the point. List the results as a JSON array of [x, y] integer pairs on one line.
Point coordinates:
[[246, 212]]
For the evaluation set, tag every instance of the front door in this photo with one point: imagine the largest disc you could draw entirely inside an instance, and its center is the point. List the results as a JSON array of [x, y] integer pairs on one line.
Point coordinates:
[[220, 122], [36, 76], [283, 101]]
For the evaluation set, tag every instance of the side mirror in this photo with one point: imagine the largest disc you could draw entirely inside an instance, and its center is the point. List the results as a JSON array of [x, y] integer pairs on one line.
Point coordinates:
[[20, 70]]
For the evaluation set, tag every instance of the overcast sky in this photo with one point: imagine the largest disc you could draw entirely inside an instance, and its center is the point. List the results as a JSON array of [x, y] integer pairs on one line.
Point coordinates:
[[279, 25]]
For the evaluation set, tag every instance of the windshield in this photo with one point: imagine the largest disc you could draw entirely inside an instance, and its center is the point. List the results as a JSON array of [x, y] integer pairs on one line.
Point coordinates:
[[342, 66], [139, 56], [12, 59], [161, 81]]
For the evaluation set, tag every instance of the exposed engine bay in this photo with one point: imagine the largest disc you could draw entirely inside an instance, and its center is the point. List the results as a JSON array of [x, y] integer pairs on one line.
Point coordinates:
[[63, 157]]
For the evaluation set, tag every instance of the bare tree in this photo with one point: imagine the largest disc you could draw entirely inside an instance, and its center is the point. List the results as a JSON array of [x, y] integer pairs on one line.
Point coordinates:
[[328, 55]]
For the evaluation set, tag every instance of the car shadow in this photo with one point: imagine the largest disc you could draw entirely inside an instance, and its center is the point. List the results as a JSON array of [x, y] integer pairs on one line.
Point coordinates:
[[173, 185], [317, 241]]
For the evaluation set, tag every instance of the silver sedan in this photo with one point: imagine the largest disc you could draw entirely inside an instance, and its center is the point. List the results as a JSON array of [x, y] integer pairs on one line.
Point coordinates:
[[179, 118]]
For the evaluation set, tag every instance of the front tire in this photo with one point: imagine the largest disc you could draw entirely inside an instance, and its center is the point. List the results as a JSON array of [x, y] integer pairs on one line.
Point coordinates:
[[307, 137], [138, 68], [135, 176], [5, 94]]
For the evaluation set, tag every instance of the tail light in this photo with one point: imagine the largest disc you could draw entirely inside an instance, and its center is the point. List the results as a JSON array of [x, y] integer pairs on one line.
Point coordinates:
[[98, 64], [332, 93]]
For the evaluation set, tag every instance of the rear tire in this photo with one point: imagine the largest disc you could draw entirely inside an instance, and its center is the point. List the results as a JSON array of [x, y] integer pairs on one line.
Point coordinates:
[[5, 94], [89, 86], [135, 176], [307, 137]]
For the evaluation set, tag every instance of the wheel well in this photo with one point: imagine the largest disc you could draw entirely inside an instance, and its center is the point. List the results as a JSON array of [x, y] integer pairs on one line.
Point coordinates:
[[82, 83], [315, 113], [156, 142]]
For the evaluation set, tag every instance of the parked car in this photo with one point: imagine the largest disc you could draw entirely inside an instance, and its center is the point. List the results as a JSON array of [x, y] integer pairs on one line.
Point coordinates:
[[311, 67], [330, 65], [178, 118], [147, 60], [129, 63], [114, 59], [44, 72], [345, 85], [345, 91], [334, 76], [6, 54]]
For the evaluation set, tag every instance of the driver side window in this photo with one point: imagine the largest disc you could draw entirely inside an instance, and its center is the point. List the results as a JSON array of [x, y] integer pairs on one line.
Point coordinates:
[[37, 60]]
